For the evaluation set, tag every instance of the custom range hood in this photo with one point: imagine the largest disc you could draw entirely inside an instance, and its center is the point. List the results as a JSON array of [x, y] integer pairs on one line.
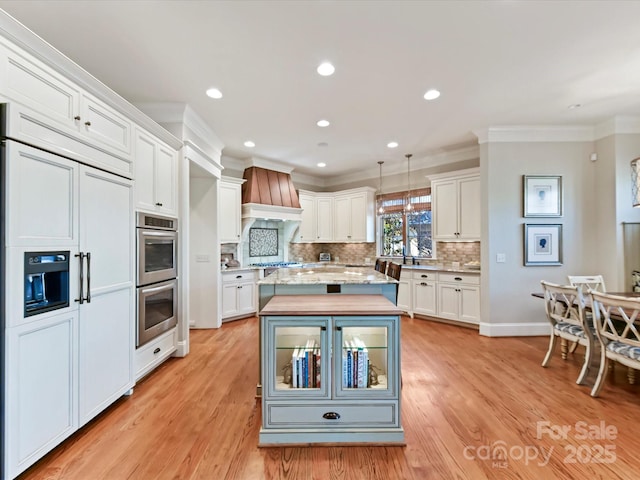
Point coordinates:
[[269, 195]]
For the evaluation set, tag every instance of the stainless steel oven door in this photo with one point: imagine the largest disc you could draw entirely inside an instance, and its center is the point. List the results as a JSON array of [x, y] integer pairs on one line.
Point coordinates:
[[157, 310], [157, 255]]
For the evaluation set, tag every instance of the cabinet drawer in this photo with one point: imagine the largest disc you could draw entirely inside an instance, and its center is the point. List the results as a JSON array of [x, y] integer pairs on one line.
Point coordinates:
[[424, 275], [233, 277], [153, 353], [470, 279], [312, 415]]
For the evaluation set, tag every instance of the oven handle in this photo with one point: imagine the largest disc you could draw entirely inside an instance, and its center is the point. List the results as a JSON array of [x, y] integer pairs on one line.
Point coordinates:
[[158, 289], [80, 298], [153, 233]]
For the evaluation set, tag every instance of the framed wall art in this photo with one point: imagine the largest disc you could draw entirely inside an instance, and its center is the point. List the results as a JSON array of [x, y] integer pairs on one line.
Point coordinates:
[[542, 244], [542, 195]]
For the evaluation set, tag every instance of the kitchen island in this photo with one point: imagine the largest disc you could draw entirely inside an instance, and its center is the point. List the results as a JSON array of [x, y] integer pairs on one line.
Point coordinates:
[[323, 280], [331, 370]]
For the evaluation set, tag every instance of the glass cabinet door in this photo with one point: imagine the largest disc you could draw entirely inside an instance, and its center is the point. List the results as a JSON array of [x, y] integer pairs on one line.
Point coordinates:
[[365, 356], [297, 365]]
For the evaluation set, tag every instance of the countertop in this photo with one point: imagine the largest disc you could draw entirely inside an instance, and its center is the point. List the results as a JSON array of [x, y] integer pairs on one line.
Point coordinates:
[[330, 305], [325, 266], [326, 275]]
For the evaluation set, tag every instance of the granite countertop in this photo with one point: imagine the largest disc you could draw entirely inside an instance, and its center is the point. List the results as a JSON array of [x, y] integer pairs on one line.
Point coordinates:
[[442, 268], [325, 275]]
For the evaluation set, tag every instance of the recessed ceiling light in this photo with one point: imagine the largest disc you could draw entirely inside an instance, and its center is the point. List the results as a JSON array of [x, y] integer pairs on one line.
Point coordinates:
[[249, 144], [575, 105], [392, 144], [431, 94], [323, 144], [322, 164], [325, 69], [214, 93], [323, 123]]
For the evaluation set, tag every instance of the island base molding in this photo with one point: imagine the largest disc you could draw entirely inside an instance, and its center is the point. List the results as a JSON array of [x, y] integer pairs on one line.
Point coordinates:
[[314, 438]]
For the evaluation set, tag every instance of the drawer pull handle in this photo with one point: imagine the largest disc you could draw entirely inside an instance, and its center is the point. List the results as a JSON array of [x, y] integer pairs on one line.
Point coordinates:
[[157, 350], [424, 276], [238, 276], [458, 279], [331, 416]]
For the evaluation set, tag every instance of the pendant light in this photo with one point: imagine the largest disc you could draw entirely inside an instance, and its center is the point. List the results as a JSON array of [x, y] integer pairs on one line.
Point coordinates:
[[380, 207], [408, 206], [635, 181]]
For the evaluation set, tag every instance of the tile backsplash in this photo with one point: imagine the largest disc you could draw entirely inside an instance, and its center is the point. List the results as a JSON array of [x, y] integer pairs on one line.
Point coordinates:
[[447, 252], [346, 252]]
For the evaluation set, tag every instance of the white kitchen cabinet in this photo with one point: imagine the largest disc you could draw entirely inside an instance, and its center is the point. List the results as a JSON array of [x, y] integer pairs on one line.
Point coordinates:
[[154, 352], [459, 297], [238, 293], [405, 293], [230, 210], [456, 206], [353, 219], [41, 388], [324, 218], [330, 378], [62, 116], [316, 224], [94, 340], [424, 286], [155, 175], [308, 222]]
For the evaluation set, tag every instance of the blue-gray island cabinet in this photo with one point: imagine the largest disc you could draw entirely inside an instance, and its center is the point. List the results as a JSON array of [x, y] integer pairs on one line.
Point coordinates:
[[330, 370]]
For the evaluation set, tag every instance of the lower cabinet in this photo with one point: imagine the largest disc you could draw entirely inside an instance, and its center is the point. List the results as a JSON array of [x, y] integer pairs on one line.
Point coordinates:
[[239, 293], [424, 292], [41, 388], [153, 353], [330, 379], [459, 297]]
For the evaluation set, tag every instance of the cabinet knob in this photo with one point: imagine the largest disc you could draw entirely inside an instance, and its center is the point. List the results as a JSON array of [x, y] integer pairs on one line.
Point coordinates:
[[424, 284], [77, 117], [239, 286], [158, 204], [157, 350], [87, 123], [331, 416]]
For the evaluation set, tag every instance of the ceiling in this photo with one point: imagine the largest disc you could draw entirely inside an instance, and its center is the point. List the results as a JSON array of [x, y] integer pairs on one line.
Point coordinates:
[[495, 63]]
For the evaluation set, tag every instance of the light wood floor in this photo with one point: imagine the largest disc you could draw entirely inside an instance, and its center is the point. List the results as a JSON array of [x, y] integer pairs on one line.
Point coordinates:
[[470, 410]]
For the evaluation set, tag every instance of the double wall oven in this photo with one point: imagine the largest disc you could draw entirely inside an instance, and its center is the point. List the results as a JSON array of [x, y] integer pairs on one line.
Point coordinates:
[[157, 284]]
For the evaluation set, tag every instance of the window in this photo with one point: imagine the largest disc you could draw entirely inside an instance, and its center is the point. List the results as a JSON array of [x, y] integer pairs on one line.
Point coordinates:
[[403, 233]]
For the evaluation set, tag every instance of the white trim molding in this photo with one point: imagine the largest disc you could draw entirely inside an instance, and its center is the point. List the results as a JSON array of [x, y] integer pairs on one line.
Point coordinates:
[[531, 329]]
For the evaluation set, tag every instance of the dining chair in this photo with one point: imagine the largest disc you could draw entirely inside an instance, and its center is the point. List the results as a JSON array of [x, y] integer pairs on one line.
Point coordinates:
[[564, 306], [586, 282], [381, 266], [617, 321]]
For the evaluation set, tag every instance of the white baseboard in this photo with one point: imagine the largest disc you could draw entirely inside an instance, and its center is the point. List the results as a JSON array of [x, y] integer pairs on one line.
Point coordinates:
[[182, 349], [515, 329]]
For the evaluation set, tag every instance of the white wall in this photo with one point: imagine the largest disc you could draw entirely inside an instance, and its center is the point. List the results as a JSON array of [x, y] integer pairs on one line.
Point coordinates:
[[507, 307], [203, 243]]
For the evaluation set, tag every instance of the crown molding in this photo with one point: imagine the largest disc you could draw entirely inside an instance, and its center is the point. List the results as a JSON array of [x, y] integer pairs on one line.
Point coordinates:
[[198, 156], [618, 125], [535, 133], [268, 164], [176, 112]]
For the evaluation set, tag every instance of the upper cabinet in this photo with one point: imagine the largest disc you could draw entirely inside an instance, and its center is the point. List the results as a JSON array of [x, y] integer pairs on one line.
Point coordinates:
[[317, 217], [456, 205], [354, 219], [345, 216], [51, 111], [155, 175], [230, 210]]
